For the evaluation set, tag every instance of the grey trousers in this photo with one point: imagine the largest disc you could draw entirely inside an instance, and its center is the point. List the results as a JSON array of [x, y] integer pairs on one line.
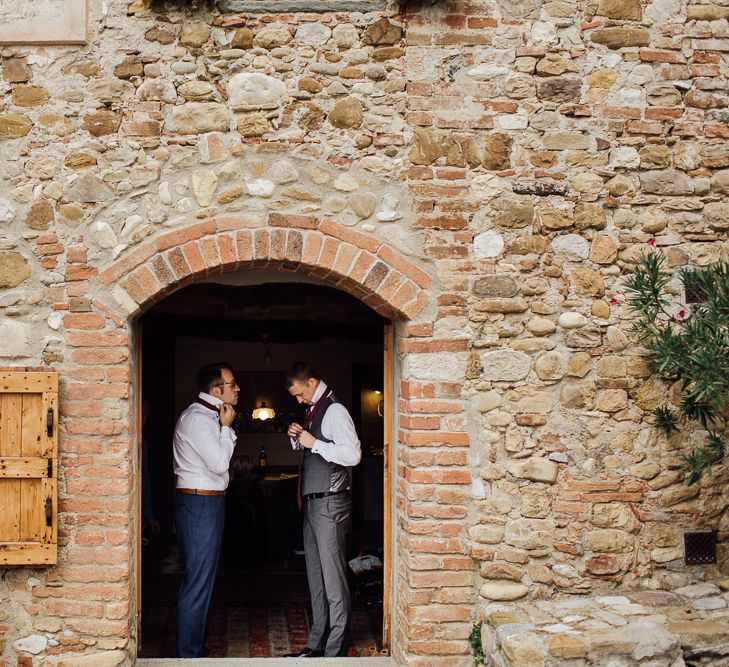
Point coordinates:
[[326, 524]]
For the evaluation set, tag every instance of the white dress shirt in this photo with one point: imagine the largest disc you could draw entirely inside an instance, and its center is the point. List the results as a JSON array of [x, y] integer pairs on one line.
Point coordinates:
[[202, 448], [338, 427]]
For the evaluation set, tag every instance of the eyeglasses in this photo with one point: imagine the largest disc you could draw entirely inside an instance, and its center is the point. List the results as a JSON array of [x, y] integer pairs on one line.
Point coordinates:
[[232, 383]]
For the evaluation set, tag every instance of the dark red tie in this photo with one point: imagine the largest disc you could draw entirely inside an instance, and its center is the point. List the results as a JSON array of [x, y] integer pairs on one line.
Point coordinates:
[[299, 502]]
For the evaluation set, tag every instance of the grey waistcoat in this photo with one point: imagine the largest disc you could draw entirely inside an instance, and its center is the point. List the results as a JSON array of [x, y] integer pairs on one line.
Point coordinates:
[[318, 474]]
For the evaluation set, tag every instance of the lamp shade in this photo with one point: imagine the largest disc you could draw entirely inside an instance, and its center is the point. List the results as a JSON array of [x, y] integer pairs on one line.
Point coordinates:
[[263, 412]]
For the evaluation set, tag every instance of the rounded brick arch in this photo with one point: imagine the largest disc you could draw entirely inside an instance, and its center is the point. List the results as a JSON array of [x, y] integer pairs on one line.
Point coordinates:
[[357, 263]]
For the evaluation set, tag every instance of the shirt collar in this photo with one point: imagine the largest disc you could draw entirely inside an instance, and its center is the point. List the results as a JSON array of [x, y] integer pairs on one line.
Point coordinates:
[[319, 391], [214, 400]]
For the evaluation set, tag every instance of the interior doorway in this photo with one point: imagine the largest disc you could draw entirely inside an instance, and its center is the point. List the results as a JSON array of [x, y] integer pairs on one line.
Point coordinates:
[[261, 602]]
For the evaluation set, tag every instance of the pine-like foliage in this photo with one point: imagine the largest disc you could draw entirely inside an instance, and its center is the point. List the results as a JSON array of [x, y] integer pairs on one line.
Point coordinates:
[[689, 347]]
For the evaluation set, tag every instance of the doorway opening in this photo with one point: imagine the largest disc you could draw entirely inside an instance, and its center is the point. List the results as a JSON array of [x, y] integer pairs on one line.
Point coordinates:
[[260, 324]]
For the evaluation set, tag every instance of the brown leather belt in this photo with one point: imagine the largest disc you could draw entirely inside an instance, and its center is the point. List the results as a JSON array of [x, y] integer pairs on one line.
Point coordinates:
[[201, 492]]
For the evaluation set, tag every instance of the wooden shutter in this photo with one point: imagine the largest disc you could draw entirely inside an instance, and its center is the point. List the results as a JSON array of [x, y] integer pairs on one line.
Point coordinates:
[[28, 467]]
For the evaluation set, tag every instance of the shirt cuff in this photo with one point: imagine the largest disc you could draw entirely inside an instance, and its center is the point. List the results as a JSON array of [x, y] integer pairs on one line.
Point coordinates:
[[233, 436], [316, 447]]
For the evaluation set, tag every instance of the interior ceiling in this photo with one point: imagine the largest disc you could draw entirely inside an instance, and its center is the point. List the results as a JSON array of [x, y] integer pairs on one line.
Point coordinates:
[[277, 312]]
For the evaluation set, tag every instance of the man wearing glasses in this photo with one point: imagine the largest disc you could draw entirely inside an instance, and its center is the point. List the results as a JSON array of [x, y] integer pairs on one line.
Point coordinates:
[[202, 447]]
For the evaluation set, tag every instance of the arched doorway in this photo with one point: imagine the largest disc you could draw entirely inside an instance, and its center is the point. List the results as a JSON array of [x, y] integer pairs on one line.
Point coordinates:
[[261, 324], [297, 246]]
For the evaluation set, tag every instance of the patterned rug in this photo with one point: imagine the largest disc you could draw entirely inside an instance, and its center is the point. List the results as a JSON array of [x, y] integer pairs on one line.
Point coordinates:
[[256, 631]]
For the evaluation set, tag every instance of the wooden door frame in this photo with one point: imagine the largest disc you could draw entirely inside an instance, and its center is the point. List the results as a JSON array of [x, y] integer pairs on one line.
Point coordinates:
[[138, 476], [388, 358]]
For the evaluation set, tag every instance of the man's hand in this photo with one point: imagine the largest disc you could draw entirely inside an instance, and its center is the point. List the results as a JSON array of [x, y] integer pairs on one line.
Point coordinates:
[[294, 430], [297, 432], [227, 414]]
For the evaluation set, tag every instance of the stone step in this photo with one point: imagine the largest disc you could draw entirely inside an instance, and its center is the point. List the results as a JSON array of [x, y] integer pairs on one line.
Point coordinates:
[[384, 661]]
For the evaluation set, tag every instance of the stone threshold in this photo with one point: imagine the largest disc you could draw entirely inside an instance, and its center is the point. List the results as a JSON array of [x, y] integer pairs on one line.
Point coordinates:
[[384, 661]]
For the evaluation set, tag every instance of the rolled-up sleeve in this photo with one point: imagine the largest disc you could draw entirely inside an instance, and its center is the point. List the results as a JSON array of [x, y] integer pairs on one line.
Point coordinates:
[[337, 426]]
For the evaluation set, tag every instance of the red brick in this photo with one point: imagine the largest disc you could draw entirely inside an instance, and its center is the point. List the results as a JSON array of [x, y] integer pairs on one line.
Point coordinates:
[[344, 258], [419, 119], [647, 55], [440, 647], [299, 221], [440, 613], [443, 222], [620, 112], [362, 266], [389, 285], [704, 57], [227, 249], [349, 235], [421, 329], [147, 280], [404, 294], [328, 253], [312, 247], [431, 407], [423, 511], [97, 339], [422, 423], [440, 579], [209, 249], [641, 127], [99, 627], [261, 243], [194, 257], [477, 22], [182, 236], [176, 259], [81, 272], [409, 346], [89, 574], [427, 439], [396, 260], [660, 113], [83, 321], [95, 356]]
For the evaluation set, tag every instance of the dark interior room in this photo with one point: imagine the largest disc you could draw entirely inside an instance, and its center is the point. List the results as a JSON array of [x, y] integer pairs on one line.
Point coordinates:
[[261, 599]]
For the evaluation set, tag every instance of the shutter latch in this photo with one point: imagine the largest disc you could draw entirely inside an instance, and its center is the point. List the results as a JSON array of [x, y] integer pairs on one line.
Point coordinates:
[[49, 422], [50, 468], [49, 511]]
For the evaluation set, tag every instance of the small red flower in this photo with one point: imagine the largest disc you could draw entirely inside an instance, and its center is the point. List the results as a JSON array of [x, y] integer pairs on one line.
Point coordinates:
[[673, 319], [651, 241], [682, 313], [613, 302]]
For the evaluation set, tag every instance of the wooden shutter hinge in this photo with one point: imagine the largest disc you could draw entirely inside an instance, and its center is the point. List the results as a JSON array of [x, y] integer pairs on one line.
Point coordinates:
[[50, 468]]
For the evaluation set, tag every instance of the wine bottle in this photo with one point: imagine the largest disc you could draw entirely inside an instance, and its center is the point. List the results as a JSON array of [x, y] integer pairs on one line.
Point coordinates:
[[262, 462]]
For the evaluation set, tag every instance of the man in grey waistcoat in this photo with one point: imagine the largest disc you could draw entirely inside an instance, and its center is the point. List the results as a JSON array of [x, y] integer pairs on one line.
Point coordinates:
[[328, 445]]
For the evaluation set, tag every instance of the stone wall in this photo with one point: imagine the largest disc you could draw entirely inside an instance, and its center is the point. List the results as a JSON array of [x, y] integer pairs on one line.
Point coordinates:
[[485, 173]]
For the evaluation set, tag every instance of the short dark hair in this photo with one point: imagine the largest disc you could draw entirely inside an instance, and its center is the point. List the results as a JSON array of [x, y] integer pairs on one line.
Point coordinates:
[[301, 371], [210, 375]]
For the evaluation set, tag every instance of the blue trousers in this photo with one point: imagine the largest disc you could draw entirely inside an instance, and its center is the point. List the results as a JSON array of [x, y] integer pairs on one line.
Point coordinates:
[[199, 522]]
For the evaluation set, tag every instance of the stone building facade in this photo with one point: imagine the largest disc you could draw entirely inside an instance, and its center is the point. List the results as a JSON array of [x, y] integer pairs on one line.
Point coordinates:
[[483, 172]]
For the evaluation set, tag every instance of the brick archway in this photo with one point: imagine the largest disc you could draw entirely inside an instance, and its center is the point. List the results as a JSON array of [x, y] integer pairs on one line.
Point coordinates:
[[302, 246], [359, 264]]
